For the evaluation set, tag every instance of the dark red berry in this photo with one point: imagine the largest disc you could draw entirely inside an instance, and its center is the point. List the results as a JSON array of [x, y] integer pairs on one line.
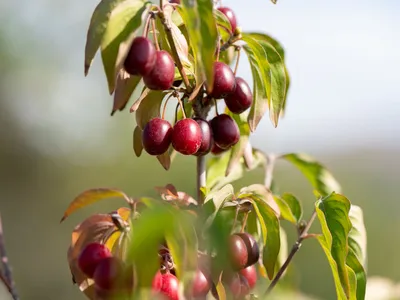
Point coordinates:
[[207, 140], [161, 77], [241, 98], [252, 248], [224, 81], [201, 285], [237, 251], [91, 256], [250, 274], [186, 136], [239, 286], [175, 1], [230, 15], [141, 57], [108, 273], [217, 150], [167, 285], [225, 131], [156, 136]]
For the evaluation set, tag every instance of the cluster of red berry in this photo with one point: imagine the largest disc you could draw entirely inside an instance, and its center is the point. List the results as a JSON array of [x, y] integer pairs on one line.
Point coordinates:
[[189, 136]]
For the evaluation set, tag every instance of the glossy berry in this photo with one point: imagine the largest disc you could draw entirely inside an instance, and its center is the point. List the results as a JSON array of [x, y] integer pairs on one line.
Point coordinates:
[[237, 252], [156, 136], [252, 248], [239, 286], [250, 274], [161, 77], [230, 15], [224, 81], [108, 273], [141, 57], [201, 285], [225, 131], [241, 98], [217, 150], [91, 256], [167, 285], [186, 136], [207, 140]]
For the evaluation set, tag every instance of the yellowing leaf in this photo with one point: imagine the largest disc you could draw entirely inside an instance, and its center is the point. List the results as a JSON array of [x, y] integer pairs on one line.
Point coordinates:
[[125, 86], [91, 196]]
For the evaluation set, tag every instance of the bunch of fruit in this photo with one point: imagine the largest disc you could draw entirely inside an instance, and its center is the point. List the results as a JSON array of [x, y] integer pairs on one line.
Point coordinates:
[[189, 136]]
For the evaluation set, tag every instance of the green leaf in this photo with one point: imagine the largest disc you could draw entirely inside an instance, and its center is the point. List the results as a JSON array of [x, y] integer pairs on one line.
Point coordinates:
[[266, 216], [224, 27], [97, 28], [123, 22], [283, 251], [199, 19], [359, 272], [215, 200], [265, 37], [260, 70], [358, 234], [216, 169], [277, 75], [290, 208], [92, 196], [332, 212], [149, 107], [124, 88], [320, 178], [137, 141]]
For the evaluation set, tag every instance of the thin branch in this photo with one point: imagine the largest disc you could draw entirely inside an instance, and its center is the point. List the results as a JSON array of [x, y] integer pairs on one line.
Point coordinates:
[[201, 178], [7, 278], [295, 248], [168, 32]]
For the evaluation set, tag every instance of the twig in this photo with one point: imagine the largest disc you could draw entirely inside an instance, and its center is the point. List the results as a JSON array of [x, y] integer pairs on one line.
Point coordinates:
[[294, 250], [7, 278], [201, 178], [168, 33]]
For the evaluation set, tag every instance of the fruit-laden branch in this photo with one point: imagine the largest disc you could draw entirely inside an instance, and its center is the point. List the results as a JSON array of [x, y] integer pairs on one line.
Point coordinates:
[[296, 247], [7, 276]]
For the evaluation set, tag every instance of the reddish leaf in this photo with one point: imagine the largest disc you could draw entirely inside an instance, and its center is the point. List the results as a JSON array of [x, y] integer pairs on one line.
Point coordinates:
[[136, 104], [137, 141], [165, 160], [169, 193], [91, 196], [125, 86]]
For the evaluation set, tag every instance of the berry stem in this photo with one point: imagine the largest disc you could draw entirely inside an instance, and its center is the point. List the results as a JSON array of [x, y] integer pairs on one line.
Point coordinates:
[[147, 24], [168, 33], [244, 222], [7, 277], [295, 249], [181, 105], [153, 26], [237, 59], [216, 107], [235, 220]]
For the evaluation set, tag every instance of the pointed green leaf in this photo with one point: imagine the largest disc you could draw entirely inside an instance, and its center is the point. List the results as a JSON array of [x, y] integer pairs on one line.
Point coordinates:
[[123, 22], [215, 201], [286, 213], [277, 76], [359, 272], [124, 88], [332, 212], [320, 178], [92, 196], [149, 107], [199, 19], [261, 72], [290, 207], [97, 28], [358, 234], [165, 160], [272, 245]]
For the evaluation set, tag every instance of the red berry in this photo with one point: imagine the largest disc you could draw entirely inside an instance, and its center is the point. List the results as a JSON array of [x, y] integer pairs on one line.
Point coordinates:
[[201, 285], [241, 98], [239, 286], [207, 140], [161, 77], [238, 254], [167, 285], [175, 1], [230, 15], [141, 57], [252, 247], [156, 136], [91, 256], [250, 274], [108, 273], [224, 81], [225, 131], [186, 136]]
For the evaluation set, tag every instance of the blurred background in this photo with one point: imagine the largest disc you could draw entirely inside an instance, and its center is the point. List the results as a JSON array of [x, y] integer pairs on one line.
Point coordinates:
[[57, 137]]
